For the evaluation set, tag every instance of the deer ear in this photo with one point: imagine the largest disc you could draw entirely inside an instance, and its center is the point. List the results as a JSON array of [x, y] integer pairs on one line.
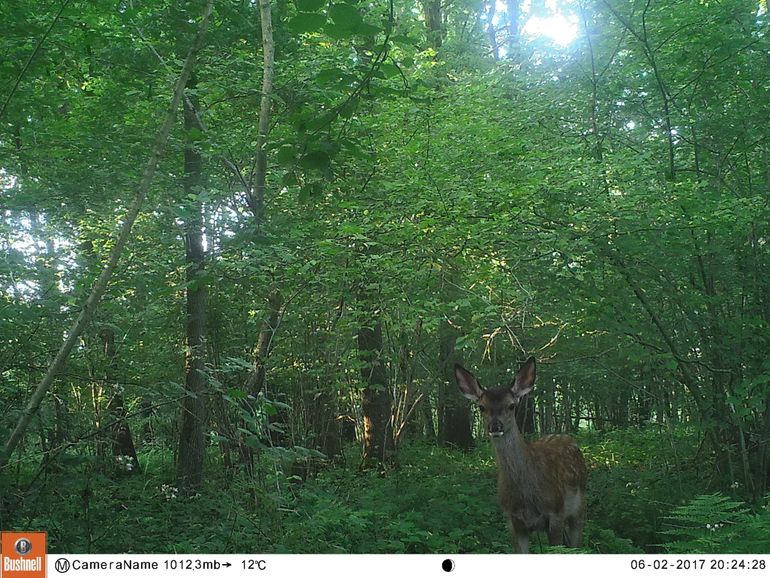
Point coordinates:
[[469, 385], [525, 379]]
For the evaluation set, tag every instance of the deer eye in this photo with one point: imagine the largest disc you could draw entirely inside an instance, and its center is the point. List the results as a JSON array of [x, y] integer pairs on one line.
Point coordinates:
[[482, 409], [511, 407]]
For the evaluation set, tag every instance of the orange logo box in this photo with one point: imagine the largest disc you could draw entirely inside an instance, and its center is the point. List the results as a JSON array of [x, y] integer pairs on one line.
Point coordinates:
[[22, 554]]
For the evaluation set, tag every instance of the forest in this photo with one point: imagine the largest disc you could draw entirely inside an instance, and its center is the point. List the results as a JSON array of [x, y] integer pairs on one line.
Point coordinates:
[[245, 243]]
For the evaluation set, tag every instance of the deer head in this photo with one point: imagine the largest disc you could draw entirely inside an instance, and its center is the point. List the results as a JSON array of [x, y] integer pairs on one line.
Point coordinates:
[[498, 405]]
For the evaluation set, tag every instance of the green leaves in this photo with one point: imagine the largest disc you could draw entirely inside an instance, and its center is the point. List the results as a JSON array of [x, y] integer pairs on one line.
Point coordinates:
[[334, 76], [309, 5], [285, 155], [524, 201], [305, 22], [346, 20], [319, 160], [716, 523]]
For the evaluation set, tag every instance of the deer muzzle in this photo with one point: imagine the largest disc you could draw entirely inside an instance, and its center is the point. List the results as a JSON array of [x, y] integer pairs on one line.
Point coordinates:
[[496, 429]]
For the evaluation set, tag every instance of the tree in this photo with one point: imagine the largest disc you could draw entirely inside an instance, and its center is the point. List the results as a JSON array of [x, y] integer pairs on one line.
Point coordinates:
[[193, 418]]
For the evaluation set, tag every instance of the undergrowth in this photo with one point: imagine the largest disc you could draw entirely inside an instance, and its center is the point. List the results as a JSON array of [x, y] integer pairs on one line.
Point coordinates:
[[716, 523], [644, 495]]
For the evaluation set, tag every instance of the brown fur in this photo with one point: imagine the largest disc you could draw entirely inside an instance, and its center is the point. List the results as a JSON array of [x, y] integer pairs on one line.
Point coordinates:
[[541, 484]]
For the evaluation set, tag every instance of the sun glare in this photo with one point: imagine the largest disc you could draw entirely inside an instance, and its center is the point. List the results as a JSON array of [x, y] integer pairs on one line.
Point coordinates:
[[554, 21], [559, 28]]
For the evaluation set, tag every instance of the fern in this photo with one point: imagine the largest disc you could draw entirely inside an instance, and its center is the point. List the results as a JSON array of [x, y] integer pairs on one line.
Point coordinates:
[[714, 523]]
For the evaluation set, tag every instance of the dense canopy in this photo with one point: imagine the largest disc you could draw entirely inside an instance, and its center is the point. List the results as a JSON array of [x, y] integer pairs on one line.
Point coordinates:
[[244, 243]]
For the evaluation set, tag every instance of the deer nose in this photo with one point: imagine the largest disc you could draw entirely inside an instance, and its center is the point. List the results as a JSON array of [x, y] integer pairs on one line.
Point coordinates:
[[495, 428]]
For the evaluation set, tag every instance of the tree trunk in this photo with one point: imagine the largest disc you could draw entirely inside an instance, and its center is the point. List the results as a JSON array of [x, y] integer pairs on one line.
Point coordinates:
[[50, 303], [375, 402], [191, 440], [455, 418], [492, 30], [328, 430], [255, 381], [548, 407], [434, 25], [514, 31], [428, 427], [256, 197], [121, 440], [406, 422]]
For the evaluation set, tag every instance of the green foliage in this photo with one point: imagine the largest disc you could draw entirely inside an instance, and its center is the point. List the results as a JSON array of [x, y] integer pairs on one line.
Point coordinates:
[[637, 476], [605, 541], [342, 510], [85, 511], [604, 206], [307, 22], [714, 523], [409, 510]]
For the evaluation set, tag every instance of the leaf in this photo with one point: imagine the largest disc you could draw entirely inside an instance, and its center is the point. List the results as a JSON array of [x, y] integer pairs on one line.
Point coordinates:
[[354, 149], [315, 160], [330, 75], [670, 364], [285, 155], [366, 29], [346, 18], [309, 190], [305, 22], [336, 32], [320, 121], [403, 40], [194, 135], [304, 195], [390, 70], [309, 5], [349, 109], [253, 441]]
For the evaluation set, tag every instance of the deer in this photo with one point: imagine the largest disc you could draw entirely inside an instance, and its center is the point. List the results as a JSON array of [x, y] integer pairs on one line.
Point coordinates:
[[540, 484]]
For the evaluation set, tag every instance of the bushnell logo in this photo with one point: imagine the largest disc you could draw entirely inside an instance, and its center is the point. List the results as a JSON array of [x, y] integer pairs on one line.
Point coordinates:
[[23, 554], [22, 546]]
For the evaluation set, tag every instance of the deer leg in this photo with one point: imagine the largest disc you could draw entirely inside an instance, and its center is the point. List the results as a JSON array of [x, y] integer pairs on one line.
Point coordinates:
[[576, 519], [520, 537], [575, 529], [575, 532], [556, 529]]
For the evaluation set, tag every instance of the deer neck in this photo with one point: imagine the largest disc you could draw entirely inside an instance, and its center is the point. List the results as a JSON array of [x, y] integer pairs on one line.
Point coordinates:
[[512, 453]]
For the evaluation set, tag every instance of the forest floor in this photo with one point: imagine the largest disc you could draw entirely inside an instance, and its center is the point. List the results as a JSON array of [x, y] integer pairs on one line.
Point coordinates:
[[646, 493]]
